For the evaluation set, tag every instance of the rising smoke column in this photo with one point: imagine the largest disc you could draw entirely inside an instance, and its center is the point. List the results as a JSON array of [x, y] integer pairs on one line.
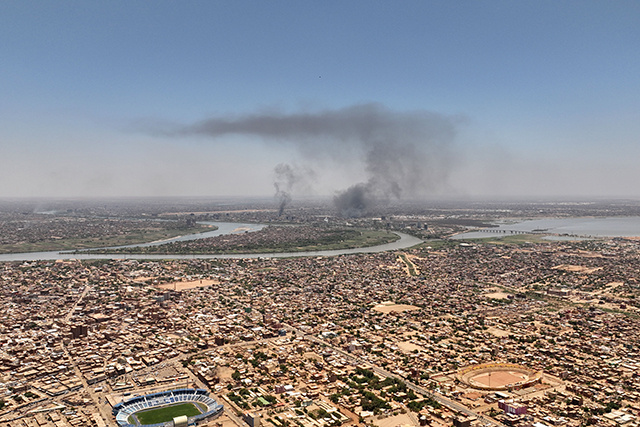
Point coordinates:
[[285, 178], [354, 201], [405, 154]]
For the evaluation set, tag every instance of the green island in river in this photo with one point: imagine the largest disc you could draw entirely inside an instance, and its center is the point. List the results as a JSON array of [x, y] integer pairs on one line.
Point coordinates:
[[68, 234], [271, 239]]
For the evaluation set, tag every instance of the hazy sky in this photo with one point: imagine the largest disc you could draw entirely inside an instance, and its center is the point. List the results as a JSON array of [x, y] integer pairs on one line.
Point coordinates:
[[206, 98]]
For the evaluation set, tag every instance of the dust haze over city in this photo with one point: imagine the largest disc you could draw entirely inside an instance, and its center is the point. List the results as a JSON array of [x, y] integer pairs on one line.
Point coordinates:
[[319, 214]]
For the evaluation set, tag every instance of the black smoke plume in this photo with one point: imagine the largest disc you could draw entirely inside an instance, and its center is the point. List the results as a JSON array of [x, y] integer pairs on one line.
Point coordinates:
[[285, 178], [354, 201], [405, 154]]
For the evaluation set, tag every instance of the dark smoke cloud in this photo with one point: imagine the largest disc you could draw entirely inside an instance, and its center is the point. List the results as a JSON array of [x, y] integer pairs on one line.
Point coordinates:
[[285, 178], [405, 154], [354, 201]]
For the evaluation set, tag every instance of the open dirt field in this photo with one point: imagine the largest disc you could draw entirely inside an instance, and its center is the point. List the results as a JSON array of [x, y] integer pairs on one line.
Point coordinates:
[[180, 286], [409, 346], [576, 268], [313, 355], [224, 372], [389, 307], [497, 295], [498, 378], [497, 332], [398, 420]]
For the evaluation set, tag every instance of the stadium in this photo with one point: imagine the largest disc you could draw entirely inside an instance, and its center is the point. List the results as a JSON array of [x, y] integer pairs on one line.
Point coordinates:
[[498, 376], [170, 408]]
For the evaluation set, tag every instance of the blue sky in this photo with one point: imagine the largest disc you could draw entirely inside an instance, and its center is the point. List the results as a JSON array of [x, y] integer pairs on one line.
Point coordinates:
[[545, 95]]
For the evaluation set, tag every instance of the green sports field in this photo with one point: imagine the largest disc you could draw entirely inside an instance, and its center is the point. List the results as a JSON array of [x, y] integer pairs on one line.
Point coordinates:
[[167, 413]]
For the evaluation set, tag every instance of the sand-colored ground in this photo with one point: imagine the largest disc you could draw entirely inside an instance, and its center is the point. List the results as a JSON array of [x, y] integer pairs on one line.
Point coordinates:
[[313, 355], [409, 346], [397, 420], [589, 254], [180, 286], [498, 378], [390, 307], [497, 295], [576, 268], [610, 287], [222, 420], [497, 332], [224, 372], [472, 395]]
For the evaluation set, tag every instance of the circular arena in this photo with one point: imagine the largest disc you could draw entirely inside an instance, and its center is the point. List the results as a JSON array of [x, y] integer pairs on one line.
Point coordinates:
[[498, 376], [161, 409]]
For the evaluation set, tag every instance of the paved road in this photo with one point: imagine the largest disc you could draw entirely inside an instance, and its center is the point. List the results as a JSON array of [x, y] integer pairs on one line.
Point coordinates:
[[80, 298], [104, 412]]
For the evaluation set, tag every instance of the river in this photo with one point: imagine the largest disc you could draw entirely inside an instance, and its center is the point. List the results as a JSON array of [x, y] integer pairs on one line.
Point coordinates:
[[404, 242], [563, 228]]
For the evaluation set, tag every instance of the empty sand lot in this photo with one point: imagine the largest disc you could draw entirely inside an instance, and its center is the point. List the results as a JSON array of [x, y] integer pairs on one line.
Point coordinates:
[[576, 268], [181, 286], [498, 378], [390, 307]]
